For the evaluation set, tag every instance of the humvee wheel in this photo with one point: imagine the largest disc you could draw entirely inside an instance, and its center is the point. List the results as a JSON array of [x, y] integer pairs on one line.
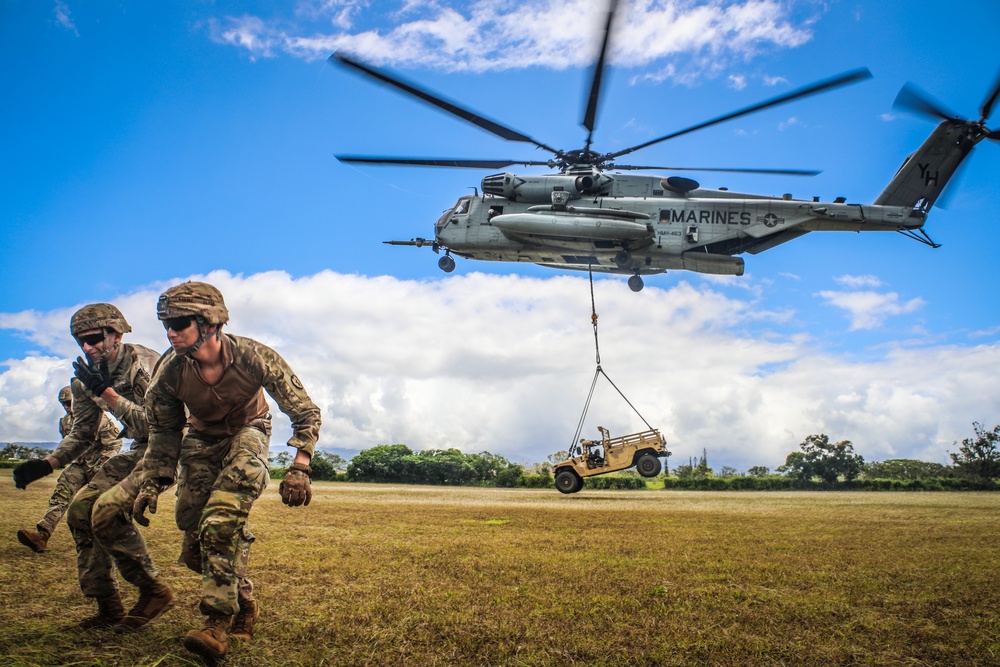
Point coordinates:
[[568, 482], [648, 465]]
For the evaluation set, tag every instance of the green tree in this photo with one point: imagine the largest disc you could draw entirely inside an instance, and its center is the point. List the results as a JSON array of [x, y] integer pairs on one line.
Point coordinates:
[[281, 460], [684, 471], [441, 466], [488, 466], [509, 477], [905, 469], [979, 457], [382, 463], [820, 458], [18, 452], [558, 457], [325, 465], [758, 471]]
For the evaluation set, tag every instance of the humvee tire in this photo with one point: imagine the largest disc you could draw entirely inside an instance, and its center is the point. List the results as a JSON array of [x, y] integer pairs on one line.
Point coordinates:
[[648, 465], [568, 482]]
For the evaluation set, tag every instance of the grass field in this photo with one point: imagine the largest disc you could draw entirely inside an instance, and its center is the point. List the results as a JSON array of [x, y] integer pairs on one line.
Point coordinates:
[[396, 575]]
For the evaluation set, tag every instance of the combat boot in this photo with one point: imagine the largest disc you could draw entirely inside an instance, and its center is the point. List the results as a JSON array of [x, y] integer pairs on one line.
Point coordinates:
[[37, 542], [155, 600], [245, 618], [212, 643], [109, 612]]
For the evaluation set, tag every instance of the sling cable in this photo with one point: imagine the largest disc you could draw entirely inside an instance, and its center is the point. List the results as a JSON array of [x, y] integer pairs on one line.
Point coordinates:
[[599, 372]]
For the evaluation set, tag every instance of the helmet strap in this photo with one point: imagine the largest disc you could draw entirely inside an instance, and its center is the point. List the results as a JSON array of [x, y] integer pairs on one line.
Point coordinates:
[[202, 336], [109, 351]]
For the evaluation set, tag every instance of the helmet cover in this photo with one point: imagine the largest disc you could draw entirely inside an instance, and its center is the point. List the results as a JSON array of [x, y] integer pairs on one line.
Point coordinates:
[[193, 298], [98, 316]]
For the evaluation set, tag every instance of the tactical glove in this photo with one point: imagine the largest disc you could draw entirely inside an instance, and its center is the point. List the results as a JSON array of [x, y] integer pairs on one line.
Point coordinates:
[[30, 471], [146, 500], [96, 378], [296, 488]]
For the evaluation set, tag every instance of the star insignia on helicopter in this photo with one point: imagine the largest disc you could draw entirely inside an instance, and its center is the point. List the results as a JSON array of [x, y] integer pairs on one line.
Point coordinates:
[[770, 220]]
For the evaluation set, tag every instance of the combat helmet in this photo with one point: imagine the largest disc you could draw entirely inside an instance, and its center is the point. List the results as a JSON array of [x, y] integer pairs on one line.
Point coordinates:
[[65, 395], [98, 316], [201, 300]]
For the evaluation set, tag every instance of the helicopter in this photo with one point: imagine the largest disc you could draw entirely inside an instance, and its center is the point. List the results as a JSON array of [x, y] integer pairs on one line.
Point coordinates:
[[590, 216]]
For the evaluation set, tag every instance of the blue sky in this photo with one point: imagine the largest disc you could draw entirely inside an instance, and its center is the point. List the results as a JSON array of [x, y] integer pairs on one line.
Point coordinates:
[[146, 144]]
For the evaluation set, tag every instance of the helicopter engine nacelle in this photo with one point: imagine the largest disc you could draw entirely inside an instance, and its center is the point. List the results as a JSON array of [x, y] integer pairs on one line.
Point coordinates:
[[539, 189]]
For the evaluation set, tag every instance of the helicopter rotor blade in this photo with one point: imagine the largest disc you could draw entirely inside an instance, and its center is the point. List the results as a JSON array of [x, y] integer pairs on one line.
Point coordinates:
[[828, 84], [470, 116], [590, 114], [737, 170], [911, 98], [438, 162], [987, 107]]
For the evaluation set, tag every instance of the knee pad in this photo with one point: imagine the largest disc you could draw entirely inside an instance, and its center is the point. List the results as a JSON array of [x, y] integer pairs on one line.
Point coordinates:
[[191, 552], [78, 512]]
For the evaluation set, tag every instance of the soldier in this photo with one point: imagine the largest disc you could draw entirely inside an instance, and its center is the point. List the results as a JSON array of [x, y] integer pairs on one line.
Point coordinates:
[[99, 516], [74, 476], [220, 379]]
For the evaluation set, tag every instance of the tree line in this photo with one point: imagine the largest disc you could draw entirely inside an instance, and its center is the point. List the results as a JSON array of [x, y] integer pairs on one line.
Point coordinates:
[[817, 464]]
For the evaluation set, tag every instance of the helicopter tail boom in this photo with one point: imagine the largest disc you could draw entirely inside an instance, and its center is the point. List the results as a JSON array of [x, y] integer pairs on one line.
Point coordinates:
[[924, 174]]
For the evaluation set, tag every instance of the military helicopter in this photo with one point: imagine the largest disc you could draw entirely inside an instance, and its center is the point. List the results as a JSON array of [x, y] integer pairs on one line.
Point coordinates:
[[591, 217]]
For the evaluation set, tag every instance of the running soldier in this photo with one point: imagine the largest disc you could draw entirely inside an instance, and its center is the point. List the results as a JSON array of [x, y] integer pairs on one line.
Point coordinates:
[[115, 377], [220, 379], [74, 476]]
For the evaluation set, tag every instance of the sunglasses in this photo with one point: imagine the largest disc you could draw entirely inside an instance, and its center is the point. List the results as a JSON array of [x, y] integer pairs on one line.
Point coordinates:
[[90, 339], [178, 324]]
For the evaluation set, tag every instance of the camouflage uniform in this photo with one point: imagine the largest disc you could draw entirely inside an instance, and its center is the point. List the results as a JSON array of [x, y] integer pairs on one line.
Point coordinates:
[[80, 471], [100, 515], [223, 456]]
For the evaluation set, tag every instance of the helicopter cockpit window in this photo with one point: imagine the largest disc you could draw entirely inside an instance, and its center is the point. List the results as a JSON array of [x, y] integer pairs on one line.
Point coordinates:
[[462, 207]]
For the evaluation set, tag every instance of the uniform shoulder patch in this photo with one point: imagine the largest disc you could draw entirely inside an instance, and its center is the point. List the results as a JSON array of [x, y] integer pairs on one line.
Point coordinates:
[[296, 382]]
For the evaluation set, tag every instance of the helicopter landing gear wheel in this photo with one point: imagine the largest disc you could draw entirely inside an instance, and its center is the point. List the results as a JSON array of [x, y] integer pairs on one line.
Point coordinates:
[[648, 465], [624, 259], [446, 264], [568, 482], [635, 283]]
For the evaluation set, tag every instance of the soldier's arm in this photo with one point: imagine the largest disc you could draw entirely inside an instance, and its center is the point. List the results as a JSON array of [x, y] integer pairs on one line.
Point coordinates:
[[132, 415], [108, 440], [281, 383], [166, 418], [86, 421]]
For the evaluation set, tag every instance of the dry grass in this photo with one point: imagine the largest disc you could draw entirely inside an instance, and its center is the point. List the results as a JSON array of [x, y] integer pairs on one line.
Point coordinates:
[[376, 575]]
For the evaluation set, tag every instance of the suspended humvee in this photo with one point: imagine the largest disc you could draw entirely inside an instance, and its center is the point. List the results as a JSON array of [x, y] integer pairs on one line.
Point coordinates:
[[598, 457]]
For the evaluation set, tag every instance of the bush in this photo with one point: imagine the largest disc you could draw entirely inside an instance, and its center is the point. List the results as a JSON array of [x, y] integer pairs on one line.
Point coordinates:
[[535, 481], [778, 483], [613, 482]]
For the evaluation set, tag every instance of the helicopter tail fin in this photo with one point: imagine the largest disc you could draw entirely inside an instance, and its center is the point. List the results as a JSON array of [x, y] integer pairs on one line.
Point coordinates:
[[924, 174]]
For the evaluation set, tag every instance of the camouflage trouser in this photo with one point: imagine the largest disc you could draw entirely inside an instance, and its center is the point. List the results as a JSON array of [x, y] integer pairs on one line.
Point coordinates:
[[100, 518], [71, 480], [219, 481]]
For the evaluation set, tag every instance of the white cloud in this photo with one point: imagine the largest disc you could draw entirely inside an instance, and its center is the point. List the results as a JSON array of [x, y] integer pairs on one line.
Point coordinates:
[[868, 309], [698, 40], [859, 281], [504, 363], [791, 121], [63, 17]]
